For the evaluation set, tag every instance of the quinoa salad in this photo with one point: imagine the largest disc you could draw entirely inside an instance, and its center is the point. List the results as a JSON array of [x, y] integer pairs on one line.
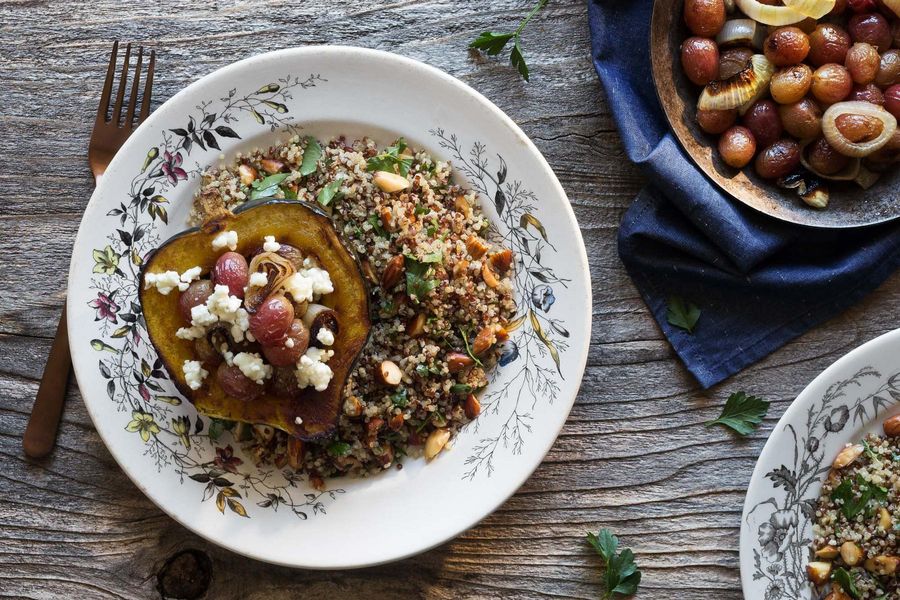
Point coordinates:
[[441, 296], [857, 521]]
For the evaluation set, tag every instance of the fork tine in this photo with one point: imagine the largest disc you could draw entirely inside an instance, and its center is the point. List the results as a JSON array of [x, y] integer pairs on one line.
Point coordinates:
[[148, 87], [132, 102], [120, 96], [107, 85]]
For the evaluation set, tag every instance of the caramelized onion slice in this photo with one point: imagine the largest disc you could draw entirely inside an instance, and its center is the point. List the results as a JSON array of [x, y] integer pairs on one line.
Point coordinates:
[[815, 9], [741, 32], [848, 173], [860, 149], [736, 91], [277, 268], [769, 15]]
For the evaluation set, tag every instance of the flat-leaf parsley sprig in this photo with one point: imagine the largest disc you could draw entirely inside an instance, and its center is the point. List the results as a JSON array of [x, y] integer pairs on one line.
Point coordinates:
[[742, 413], [622, 575], [493, 43]]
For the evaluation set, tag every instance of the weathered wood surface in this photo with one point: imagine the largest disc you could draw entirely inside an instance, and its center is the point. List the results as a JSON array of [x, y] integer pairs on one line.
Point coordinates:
[[633, 456]]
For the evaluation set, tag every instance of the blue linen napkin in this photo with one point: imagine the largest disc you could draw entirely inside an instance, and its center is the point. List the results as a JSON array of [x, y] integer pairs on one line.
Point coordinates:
[[759, 282]]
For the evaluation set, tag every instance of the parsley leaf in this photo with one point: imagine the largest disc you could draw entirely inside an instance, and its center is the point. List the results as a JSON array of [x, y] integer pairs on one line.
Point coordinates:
[[843, 577], [465, 338], [434, 257], [338, 448], [851, 506], [329, 192], [622, 575], [391, 157], [400, 399], [742, 413], [493, 43], [418, 278], [682, 314], [460, 388], [311, 155], [268, 186]]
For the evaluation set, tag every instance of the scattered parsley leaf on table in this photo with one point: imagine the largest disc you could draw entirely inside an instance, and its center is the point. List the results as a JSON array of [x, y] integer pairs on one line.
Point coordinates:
[[742, 413], [682, 314], [493, 43], [622, 575]]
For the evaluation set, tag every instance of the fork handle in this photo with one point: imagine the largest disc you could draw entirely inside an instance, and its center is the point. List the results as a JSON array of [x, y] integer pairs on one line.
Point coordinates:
[[40, 435]]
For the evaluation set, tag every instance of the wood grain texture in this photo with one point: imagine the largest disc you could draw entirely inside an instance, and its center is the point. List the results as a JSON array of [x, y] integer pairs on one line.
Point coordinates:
[[634, 455]]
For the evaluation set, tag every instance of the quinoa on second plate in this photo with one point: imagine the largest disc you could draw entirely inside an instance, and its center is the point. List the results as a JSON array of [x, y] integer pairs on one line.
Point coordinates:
[[441, 294]]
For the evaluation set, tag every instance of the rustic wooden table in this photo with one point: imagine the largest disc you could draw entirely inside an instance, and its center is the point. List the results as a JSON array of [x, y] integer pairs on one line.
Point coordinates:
[[634, 455]]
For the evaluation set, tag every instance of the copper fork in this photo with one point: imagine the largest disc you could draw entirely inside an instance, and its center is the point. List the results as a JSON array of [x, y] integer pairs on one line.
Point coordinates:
[[110, 132]]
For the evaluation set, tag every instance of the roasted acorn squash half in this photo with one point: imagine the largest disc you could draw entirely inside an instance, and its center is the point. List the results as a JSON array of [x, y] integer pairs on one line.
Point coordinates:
[[311, 231]]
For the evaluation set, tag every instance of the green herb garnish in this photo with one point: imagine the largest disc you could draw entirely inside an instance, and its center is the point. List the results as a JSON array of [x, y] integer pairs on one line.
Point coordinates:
[[465, 338], [400, 399], [421, 210], [433, 257], [375, 222], [217, 427], [493, 43], [742, 413], [268, 186], [311, 155], [460, 388], [418, 278], [850, 505], [329, 192], [338, 448], [843, 577], [391, 159], [622, 575], [682, 314]]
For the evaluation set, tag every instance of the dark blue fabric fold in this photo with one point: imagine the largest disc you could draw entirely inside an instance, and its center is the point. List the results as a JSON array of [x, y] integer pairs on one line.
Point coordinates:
[[760, 282]]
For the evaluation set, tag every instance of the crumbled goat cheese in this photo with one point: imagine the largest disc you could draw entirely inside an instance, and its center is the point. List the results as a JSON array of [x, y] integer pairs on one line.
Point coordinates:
[[190, 333], [312, 370], [299, 287], [194, 373], [289, 343], [201, 317], [298, 420], [226, 239], [325, 336], [163, 282], [309, 284], [219, 307], [252, 366], [188, 276], [271, 245], [258, 279], [321, 280]]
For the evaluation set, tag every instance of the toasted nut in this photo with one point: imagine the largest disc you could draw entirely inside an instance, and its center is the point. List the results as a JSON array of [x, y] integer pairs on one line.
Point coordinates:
[[476, 246], [436, 441], [884, 518], [462, 206], [317, 482], [247, 174], [828, 552], [819, 572], [851, 553], [882, 565], [389, 373], [415, 327], [487, 274], [353, 406], [892, 426], [847, 455], [374, 426], [387, 218], [396, 422], [295, 453], [457, 361], [502, 261], [392, 272], [836, 594], [265, 432], [368, 271], [487, 337], [472, 406], [270, 165], [390, 182], [460, 268]]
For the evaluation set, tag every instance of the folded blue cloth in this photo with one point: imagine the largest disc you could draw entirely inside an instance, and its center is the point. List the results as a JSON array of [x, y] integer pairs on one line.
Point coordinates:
[[759, 282]]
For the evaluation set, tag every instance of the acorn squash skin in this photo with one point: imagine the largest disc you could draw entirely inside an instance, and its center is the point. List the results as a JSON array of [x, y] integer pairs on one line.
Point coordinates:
[[310, 230]]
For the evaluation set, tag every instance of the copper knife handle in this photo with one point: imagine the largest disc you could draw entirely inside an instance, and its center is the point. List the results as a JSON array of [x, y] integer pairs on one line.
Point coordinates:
[[40, 435]]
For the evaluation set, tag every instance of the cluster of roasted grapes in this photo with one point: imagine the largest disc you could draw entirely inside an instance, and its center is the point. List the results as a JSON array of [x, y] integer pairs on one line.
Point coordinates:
[[851, 54], [273, 323]]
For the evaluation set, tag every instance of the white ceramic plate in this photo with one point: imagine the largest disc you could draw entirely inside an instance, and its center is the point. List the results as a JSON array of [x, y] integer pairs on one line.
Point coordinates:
[[210, 487], [850, 399]]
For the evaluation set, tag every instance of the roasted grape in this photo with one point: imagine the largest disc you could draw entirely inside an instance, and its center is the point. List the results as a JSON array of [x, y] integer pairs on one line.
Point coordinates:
[[824, 159], [196, 294], [870, 93], [892, 100], [778, 160], [786, 46], [763, 121], [704, 17], [237, 385], [862, 62], [286, 353], [292, 254], [862, 6], [803, 119], [872, 29], [737, 147], [231, 270], [716, 121], [831, 83], [829, 43], [700, 60], [791, 84], [839, 8], [733, 60], [271, 321], [206, 353], [859, 129], [284, 383], [889, 69]]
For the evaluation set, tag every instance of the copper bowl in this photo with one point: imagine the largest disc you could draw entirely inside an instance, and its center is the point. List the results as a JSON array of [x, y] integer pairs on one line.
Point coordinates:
[[850, 205]]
